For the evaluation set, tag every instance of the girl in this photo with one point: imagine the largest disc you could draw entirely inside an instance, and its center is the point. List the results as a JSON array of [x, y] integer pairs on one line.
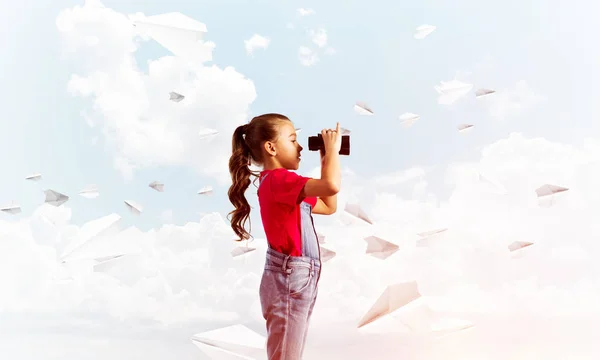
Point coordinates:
[[288, 287]]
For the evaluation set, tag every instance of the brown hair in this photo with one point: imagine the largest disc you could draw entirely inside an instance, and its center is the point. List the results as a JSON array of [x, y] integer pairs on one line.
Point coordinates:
[[246, 148]]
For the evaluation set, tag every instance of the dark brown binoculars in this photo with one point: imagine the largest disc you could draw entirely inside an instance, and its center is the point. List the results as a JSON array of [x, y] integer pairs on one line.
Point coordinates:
[[315, 143]]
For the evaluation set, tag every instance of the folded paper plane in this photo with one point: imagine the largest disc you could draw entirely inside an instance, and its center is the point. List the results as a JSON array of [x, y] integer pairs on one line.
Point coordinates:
[[408, 119], [422, 31], [90, 192], [362, 109], [450, 91], [160, 187], [394, 297], [236, 340], [55, 198], [175, 97], [380, 248], [133, 207]]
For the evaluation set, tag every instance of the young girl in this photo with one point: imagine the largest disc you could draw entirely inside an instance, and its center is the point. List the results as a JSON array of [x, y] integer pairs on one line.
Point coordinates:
[[288, 288]]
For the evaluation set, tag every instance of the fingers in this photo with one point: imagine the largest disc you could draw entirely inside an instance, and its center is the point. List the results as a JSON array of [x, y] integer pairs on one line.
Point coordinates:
[[337, 127]]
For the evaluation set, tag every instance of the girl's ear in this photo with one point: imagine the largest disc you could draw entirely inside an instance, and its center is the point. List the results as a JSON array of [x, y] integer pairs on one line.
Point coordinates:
[[270, 148]]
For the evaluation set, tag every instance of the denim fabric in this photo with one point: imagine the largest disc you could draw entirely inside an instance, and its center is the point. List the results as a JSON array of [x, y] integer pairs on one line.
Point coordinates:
[[288, 291]]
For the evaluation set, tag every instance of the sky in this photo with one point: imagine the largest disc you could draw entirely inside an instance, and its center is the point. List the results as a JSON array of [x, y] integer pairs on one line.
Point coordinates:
[[86, 102]]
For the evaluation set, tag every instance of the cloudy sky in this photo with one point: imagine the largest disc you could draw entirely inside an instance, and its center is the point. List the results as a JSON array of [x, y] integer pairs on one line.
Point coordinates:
[[63, 121], [85, 101]]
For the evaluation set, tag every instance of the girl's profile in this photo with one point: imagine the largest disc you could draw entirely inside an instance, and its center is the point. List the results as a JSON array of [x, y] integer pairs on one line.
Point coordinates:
[[289, 284]]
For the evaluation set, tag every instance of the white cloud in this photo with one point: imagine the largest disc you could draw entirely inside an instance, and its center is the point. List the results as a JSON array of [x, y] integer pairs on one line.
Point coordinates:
[[185, 273], [305, 12], [508, 102], [307, 56], [132, 107], [318, 37], [256, 42]]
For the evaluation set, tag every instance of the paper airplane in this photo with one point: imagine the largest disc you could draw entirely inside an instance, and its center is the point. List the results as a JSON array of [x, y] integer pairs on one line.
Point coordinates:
[[483, 92], [160, 187], [55, 198], [464, 127], [34, 177], [518, 245], [548, 189], [344, 131], [134, 208], [327, 254], [427, 237], [450, 91], [422, 31], [241, 250], [175, 97], [235, 340], [356, 211], [298, 130], [379, 247], [363, 109], [394, 297], [107, 225], [12, 209], [207, 190], [176, 32], [408, 119], [90, 192], [207, 133]]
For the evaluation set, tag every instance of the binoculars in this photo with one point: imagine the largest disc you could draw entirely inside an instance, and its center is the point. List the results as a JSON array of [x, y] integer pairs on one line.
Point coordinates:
[[315, 143]]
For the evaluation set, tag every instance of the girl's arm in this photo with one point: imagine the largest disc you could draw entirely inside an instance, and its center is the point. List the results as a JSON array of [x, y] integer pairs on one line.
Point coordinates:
[[326, 205]]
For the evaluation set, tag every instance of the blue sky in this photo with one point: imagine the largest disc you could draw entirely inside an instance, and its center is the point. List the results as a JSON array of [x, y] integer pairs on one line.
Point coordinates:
[[377, 61]]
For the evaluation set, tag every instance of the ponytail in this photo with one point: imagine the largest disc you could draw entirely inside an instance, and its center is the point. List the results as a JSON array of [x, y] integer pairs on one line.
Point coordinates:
[[239, 169]]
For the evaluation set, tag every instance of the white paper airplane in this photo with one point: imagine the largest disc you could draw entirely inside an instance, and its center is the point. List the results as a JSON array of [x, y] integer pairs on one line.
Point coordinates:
[[207, 133], [462, 128], [422, 31], [160, 187], [34, 177], [55, 198], [12, 209], [450, 91], [518, 245], [483, 92], [133, 207], [380, 248], [363, 109], [394, 297], [241, 250], [344, 131], [408, 119], [176, 32], [90, 192], [207, 190], [428, 238], [175, 97], [548, 189], [356, 211], [235, 340], [107, 225], [327, 254]]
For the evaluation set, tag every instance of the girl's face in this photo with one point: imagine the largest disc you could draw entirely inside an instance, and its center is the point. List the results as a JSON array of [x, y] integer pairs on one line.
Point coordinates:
[[287, 147]]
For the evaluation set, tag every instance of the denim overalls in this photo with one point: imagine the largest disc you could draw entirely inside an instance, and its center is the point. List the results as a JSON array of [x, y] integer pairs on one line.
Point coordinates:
[[288, 290]]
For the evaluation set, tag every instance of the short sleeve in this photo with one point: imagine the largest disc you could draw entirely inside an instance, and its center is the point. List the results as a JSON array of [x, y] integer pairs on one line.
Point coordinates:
[[312, 201], [286, 186]]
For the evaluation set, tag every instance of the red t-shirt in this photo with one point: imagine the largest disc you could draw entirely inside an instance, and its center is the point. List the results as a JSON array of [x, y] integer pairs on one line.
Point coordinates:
[[277, 196]]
